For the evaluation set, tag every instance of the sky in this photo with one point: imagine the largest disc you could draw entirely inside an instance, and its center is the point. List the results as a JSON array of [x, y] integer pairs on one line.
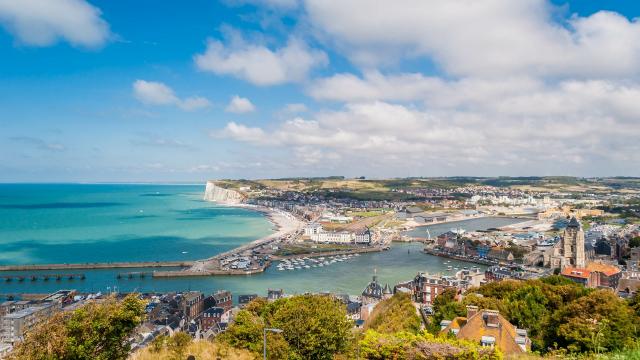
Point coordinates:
[[153, 90]]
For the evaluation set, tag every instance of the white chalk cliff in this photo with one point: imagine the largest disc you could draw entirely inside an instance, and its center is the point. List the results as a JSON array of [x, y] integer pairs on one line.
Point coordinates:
[[221, 195]]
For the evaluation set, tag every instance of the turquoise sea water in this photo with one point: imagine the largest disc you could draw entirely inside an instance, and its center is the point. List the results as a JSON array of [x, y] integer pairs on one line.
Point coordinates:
[[86, 223]]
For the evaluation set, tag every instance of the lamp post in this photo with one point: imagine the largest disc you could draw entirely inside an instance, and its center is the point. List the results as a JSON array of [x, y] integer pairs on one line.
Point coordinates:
[[264, 340]]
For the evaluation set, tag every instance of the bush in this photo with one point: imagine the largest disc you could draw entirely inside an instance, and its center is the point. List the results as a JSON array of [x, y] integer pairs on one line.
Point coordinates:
[[96, 331]]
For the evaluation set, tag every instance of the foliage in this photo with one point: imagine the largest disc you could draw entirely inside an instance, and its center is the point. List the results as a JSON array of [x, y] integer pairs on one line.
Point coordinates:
[[200, 349], [599, 321], [96, 331], [314, 327], [393, 315], [445, 307], [634, 242], [405, 345]]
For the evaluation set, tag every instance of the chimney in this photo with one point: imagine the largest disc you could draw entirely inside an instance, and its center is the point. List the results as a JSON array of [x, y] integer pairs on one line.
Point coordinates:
[[471, 310], [491, 318]]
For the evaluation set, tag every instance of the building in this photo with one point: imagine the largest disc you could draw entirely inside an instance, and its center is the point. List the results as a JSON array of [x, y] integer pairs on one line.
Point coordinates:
[[570, 251], [274, 294], [363, 237], [488, 328], [192, 304], [221, 298], [15, 325], [426, 287], [339, 237], [246, 298], [594, 275], [312, 229], [211, 318], [375, 292]]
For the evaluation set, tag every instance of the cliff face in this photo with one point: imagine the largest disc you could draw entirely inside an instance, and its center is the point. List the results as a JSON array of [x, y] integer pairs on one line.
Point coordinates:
[[221, 195]]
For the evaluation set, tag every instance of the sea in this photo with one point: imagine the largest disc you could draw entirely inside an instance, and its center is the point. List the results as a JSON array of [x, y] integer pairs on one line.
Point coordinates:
[[79, 223]]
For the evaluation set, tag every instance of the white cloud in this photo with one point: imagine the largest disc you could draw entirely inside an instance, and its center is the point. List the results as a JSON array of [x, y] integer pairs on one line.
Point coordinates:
[[588, 126], [486, 38], [157, 93], [294, 108], [259, 64], [240, 105], [44, 22], [274, 4]]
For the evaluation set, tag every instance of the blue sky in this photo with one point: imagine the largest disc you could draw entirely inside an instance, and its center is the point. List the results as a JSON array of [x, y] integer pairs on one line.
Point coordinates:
[[167, 91]]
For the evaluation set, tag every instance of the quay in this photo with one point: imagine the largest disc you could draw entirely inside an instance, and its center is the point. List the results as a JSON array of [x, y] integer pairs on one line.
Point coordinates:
[[332, 253], [45, 277], [112, 265]]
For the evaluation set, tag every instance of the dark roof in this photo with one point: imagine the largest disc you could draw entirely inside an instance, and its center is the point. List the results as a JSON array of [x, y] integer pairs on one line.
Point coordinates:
[[373, 290], [573, 223], [214, 311]]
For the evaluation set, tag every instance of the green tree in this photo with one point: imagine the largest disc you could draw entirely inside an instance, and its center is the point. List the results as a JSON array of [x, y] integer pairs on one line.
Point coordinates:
[[315, 326], [634, 242], [394, 314], [445, 307], [527, 308], [178, 343], [96, 331], [595, 322]]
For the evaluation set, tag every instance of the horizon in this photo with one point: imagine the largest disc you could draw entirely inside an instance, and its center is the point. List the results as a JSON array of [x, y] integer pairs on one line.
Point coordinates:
[[245, 89]]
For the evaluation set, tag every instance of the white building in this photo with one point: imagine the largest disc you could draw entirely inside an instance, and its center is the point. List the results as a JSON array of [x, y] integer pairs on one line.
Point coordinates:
[[363, 237], [312, 229], [341, 237]]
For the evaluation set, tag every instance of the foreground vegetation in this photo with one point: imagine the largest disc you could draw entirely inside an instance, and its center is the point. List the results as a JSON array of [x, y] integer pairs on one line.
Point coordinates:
[[96, 331], [561, 316], [564, 320]]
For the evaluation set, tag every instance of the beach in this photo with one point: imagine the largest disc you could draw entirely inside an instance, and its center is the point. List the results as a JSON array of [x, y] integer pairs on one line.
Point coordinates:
[[285, 225]]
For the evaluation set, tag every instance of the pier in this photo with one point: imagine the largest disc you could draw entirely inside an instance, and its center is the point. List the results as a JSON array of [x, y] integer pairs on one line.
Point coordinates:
[[134, 275], [45, 277], [112, 265]]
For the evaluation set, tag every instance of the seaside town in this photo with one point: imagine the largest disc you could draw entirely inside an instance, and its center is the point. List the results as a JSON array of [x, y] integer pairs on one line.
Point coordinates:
[[589, 238]]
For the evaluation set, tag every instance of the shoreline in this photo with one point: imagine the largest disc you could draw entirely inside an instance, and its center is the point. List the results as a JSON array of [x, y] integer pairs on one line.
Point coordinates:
[[285, 225]]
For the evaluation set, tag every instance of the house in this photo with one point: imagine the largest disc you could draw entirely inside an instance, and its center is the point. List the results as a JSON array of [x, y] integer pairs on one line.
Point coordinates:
[[363, 237], [500, 255], [221, 298], [246, 298], [192, 304], [426, 287], [312, 229], [211, 318], [488, 328], [594, 275], [275, 294]]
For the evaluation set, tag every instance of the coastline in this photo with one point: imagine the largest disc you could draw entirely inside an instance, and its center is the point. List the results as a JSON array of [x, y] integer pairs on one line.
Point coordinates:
[[285, 225]]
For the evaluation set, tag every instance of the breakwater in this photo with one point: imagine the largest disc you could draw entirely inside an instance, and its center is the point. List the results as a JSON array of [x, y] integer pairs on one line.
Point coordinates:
[[112, 265]]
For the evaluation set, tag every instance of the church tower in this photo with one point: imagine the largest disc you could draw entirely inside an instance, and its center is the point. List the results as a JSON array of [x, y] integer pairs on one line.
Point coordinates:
[[573, 245]]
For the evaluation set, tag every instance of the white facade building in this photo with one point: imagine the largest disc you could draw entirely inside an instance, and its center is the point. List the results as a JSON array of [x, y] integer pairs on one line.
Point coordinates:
[[342, 237]]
